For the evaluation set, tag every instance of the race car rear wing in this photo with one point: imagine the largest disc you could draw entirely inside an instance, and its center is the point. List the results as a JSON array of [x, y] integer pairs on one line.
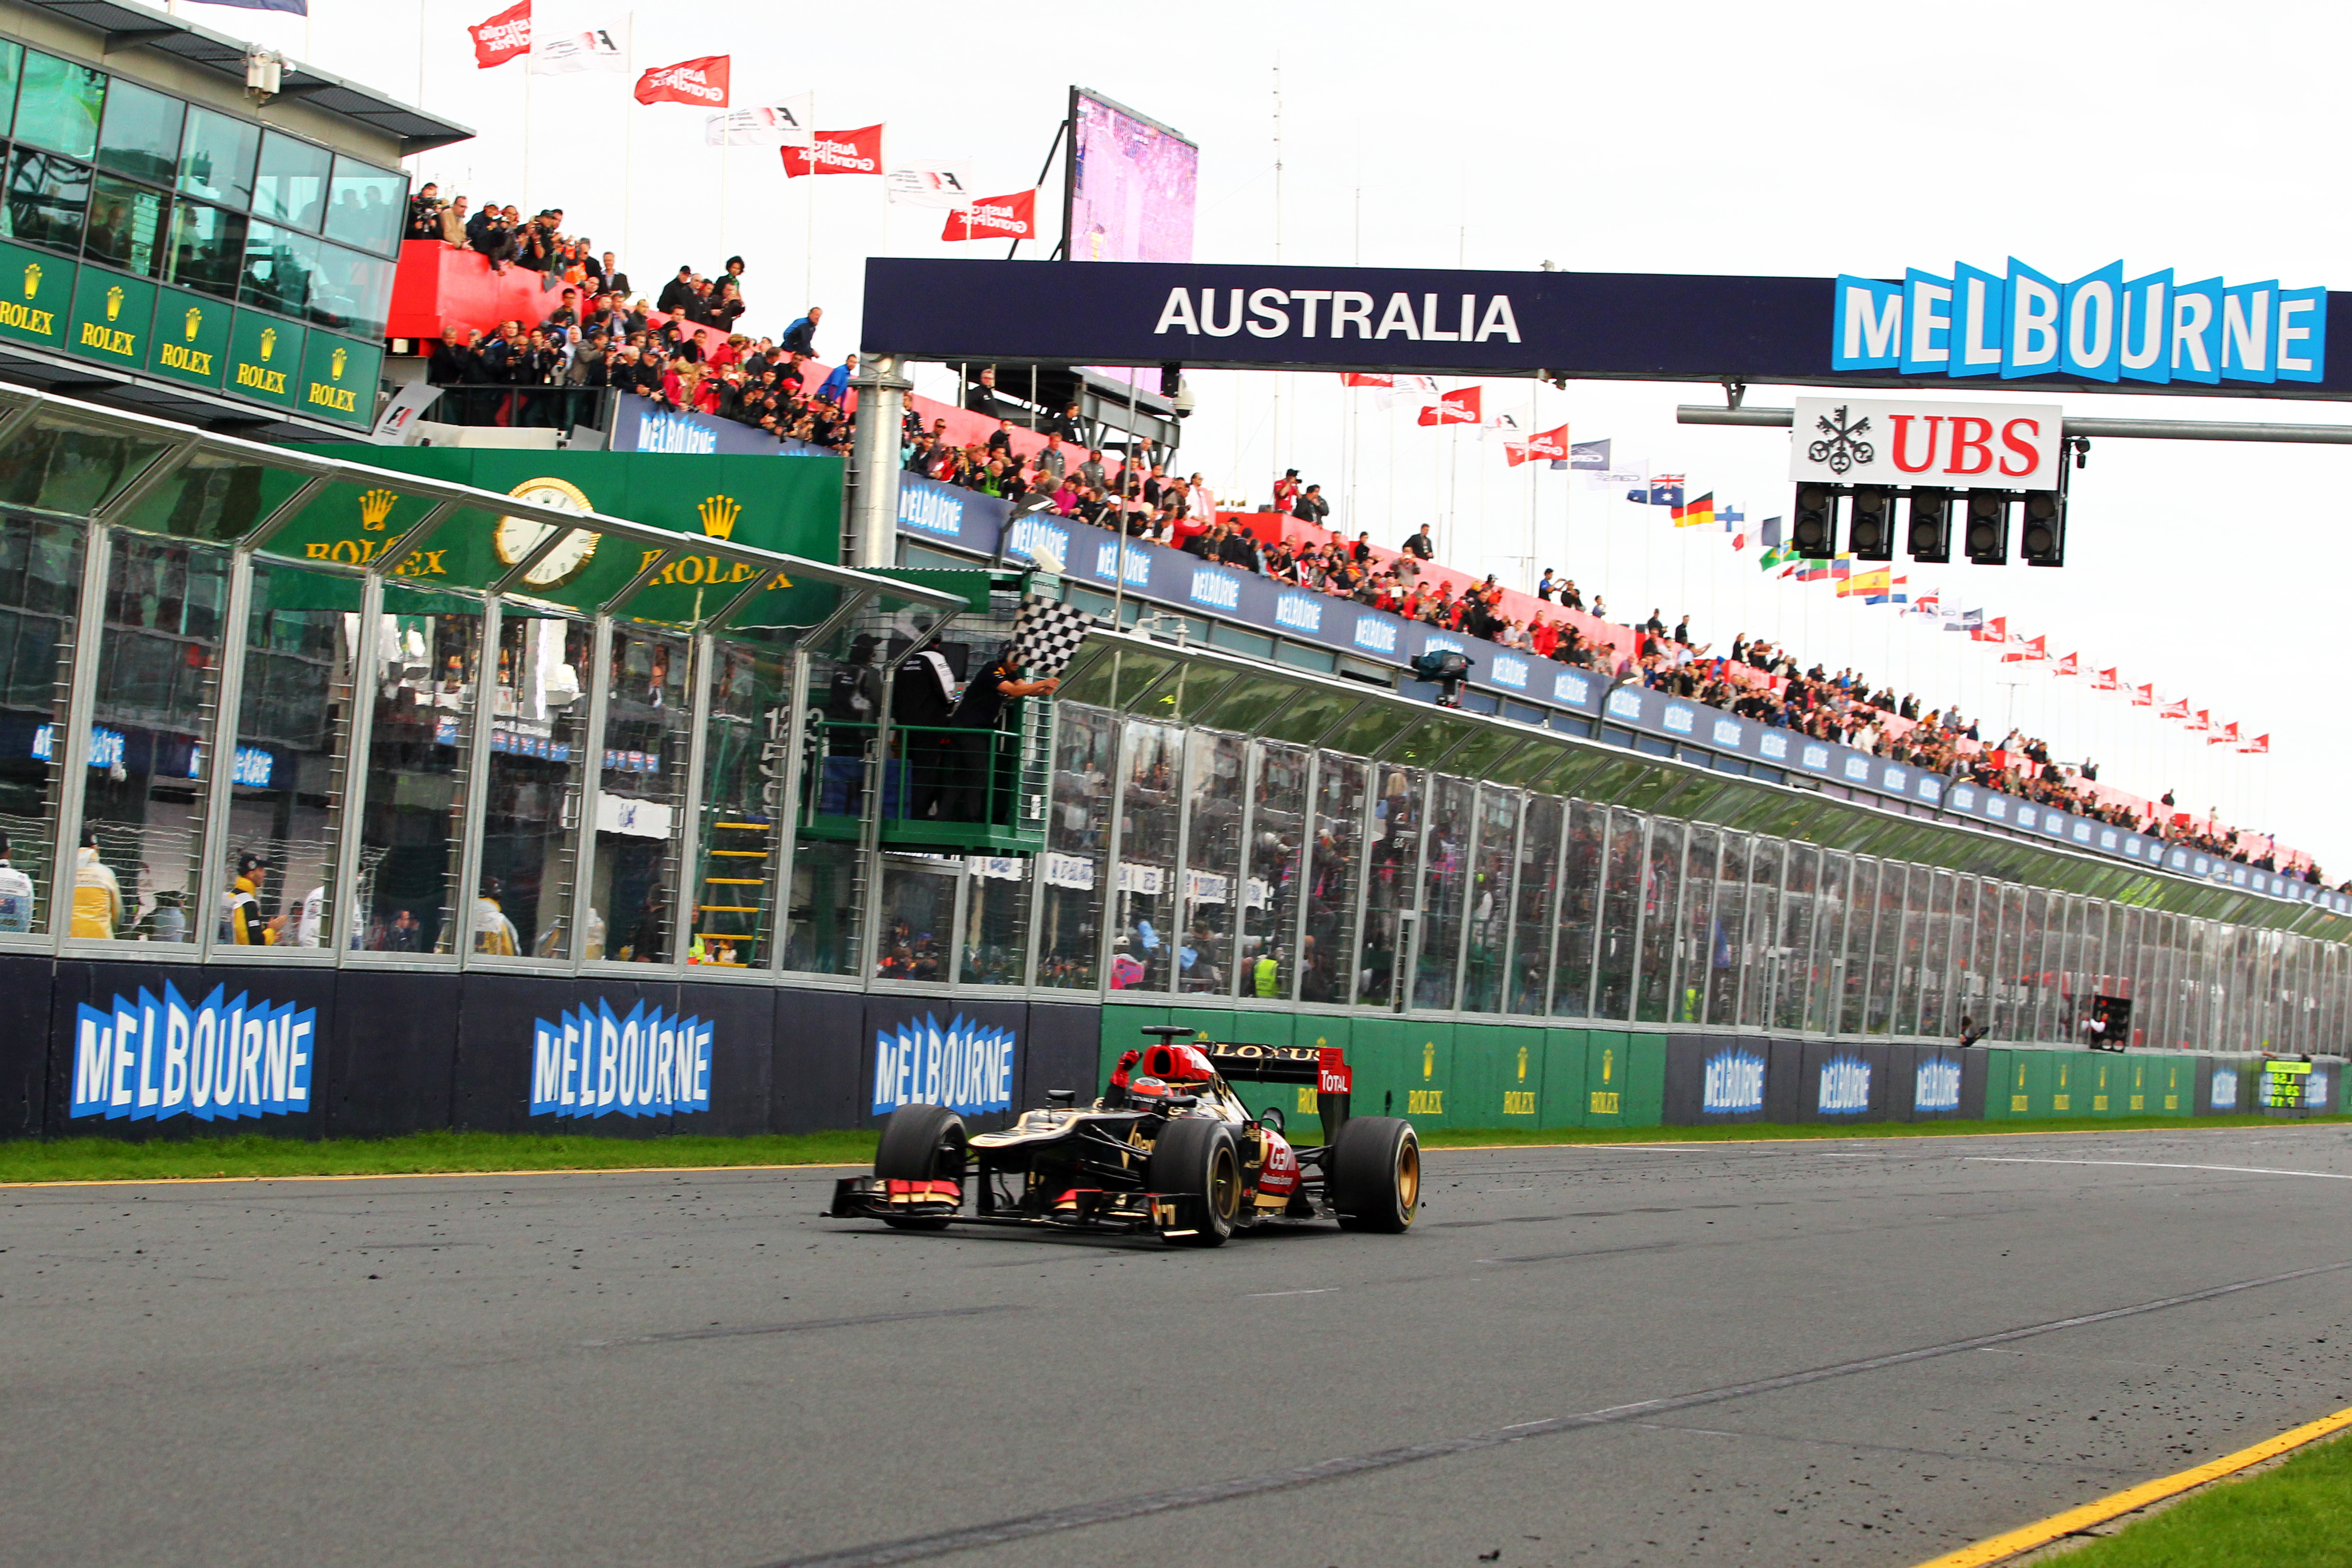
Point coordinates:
[[1323, 1069]]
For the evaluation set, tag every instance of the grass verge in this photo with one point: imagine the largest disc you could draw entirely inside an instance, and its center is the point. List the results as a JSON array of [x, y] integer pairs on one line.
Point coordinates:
[[2298, 1515], [423, 1153]]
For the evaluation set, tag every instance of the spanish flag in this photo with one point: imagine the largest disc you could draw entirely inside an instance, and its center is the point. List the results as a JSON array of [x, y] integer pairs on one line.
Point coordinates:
[[1700, 511], [1862, 585]]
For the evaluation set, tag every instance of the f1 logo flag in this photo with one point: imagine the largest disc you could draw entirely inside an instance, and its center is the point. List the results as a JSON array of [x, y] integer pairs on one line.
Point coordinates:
[[996, 217], [702, 81], [1459, 406]]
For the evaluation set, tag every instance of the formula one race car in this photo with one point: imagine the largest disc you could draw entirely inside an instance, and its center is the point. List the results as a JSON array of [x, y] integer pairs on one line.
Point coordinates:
[[1170, 1149]]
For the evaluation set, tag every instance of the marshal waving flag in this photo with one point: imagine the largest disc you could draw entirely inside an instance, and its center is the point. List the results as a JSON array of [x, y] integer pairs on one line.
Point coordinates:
[[505, 37], [783, 123], [1699, 514], [996, 217], [702, 80], [857, 151], [1459, 406]]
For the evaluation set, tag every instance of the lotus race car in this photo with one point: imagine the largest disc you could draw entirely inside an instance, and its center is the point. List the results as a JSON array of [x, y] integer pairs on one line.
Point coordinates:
[[1170, 1149]]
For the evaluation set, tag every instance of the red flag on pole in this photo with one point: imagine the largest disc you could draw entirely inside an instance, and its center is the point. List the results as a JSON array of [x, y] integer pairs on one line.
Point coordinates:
[[1358, 378], [2174, 709], [1993, 630], [702, 81], [2026, 649], [505, 37], [2143, 696], [2259, 746], [2200, 721], [857, 151], [2066, 666], [1459, 406], [1549, 444], [2104, 680], [2223, 735], [996, 217]]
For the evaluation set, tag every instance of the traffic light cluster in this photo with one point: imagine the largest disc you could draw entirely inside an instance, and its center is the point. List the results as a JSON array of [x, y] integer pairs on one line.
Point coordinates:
[[1875, 517]]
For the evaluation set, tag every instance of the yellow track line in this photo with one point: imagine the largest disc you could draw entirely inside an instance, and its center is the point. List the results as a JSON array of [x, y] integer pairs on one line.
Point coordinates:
[[2000, 1548]]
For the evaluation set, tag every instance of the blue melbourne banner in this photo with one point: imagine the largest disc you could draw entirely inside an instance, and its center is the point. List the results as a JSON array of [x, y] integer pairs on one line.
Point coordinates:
[[639, 426], [223, 1058], [966, 1066], [966, 519], [2100, 332], [595, 1062]]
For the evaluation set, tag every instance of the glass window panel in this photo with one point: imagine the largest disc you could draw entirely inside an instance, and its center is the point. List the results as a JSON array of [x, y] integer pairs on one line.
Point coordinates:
[[221, 500], [919, 917], [1371, 727], [288, 787], [1534, 889], [144, 809], [290, 185], [351, 291], [537, 771], [2006, 974], [1327, 963], [1446, 870], [217, 154], [1768, 971], [49, 197], [1736, 942], [1936, 955], [426, 651], [743, 768], [641, 801], [1392, 863], [1215, 787], [1861, 930], [126, 226], [58, 104], [1247, 703], [1078, 830], [365, 205], [40, 589], [995, 944], [140, 136], [1831, 908], [1696, 946], [1626, 885], [206, 250], [1581, 861], [822, 935], [1278, 842], [1304, 717], [281, 270], [1143, 928], [2031, 963], [1185, 695], [1661, 894], [1486, 915], [55, 467], [1910, 950], [12, 66], [1792, 958]]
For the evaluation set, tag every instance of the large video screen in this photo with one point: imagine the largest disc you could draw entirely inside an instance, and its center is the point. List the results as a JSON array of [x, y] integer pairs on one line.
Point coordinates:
[[1132, 184]]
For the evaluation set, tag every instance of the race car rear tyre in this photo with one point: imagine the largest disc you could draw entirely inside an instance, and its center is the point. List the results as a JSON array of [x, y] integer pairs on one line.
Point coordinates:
[[1374, 1179], [921, 1143], [1198, 1161]]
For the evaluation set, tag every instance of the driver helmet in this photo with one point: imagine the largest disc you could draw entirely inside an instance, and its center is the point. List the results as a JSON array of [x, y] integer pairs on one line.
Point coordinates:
[[1148, 1088]]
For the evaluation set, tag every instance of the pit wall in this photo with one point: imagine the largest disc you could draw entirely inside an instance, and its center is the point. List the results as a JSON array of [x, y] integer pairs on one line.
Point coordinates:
[[1502, 1075]]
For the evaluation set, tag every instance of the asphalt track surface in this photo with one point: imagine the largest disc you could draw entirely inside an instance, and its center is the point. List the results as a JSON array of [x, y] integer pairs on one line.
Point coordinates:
[[1862, 1352]]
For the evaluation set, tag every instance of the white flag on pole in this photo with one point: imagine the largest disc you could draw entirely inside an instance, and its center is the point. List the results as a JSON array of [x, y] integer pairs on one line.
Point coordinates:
[[918, 184], [787, 122], [572, 36]]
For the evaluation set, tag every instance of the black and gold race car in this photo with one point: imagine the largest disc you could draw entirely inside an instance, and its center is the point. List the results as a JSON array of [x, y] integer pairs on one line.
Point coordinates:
[[1170, 1147]]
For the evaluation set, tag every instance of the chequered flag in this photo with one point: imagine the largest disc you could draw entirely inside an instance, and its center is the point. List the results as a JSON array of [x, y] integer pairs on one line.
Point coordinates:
[[1047, 634]]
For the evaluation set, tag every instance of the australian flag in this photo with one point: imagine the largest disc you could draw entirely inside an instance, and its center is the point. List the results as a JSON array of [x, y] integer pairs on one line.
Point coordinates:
[[1659, 493]]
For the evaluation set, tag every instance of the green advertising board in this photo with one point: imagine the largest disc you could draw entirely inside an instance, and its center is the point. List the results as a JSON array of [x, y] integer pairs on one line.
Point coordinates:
[[35, 292], [110, 319], [265, 359], [190, 341], [338, 379]]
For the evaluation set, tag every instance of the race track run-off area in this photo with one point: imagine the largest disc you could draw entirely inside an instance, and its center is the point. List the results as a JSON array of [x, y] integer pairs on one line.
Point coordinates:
[[1845, 1352]]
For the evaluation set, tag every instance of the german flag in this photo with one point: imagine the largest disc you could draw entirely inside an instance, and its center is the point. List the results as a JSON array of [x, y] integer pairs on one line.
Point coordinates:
[[1699, 513]]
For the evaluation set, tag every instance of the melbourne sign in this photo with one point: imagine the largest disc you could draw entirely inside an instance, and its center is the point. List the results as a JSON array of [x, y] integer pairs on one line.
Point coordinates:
[[2100, 327], [223, 1058], [966, 1065], [592, 1061], [1987, 445]]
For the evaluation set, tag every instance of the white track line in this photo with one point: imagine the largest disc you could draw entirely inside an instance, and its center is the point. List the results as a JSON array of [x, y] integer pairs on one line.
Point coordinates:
[[2155, 1165]]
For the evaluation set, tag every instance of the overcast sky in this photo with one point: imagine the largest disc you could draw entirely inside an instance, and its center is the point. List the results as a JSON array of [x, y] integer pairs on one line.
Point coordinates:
[[1732, 139]]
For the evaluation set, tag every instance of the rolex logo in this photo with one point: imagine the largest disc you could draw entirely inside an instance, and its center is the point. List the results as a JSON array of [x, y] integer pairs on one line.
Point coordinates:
[[1428, 1058], [269, 342], [718, 515], [335, 363], [114, 302], [195, 322], [375, 507], [32, 278]]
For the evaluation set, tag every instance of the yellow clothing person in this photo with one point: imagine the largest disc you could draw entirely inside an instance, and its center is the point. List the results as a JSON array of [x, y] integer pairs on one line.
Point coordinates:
[[98, 897], [493, 932]]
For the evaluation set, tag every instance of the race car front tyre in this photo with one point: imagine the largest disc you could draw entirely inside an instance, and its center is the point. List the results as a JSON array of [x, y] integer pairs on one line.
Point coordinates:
[[921, 1143], [1375, 1174], [1197, 1161]]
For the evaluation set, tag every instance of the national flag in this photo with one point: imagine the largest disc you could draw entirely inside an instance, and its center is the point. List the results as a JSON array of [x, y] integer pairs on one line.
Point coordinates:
[[1699, 513], [2223, 735], [1656, 493], [702, 80], [1732, 518], [1459, 406], [1841, 566], [503, 37], [1927, 604], [1772, 530], [2103, 680], [1900, 594], [1861, 584], [2143, 696], [929, 185], [857, 151], [1588, 455], [996, 217], [1812, 569], [1771, 558], [2259, 746], [1739, 541], [2066, 666], [786, 122], [2174, 709]]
